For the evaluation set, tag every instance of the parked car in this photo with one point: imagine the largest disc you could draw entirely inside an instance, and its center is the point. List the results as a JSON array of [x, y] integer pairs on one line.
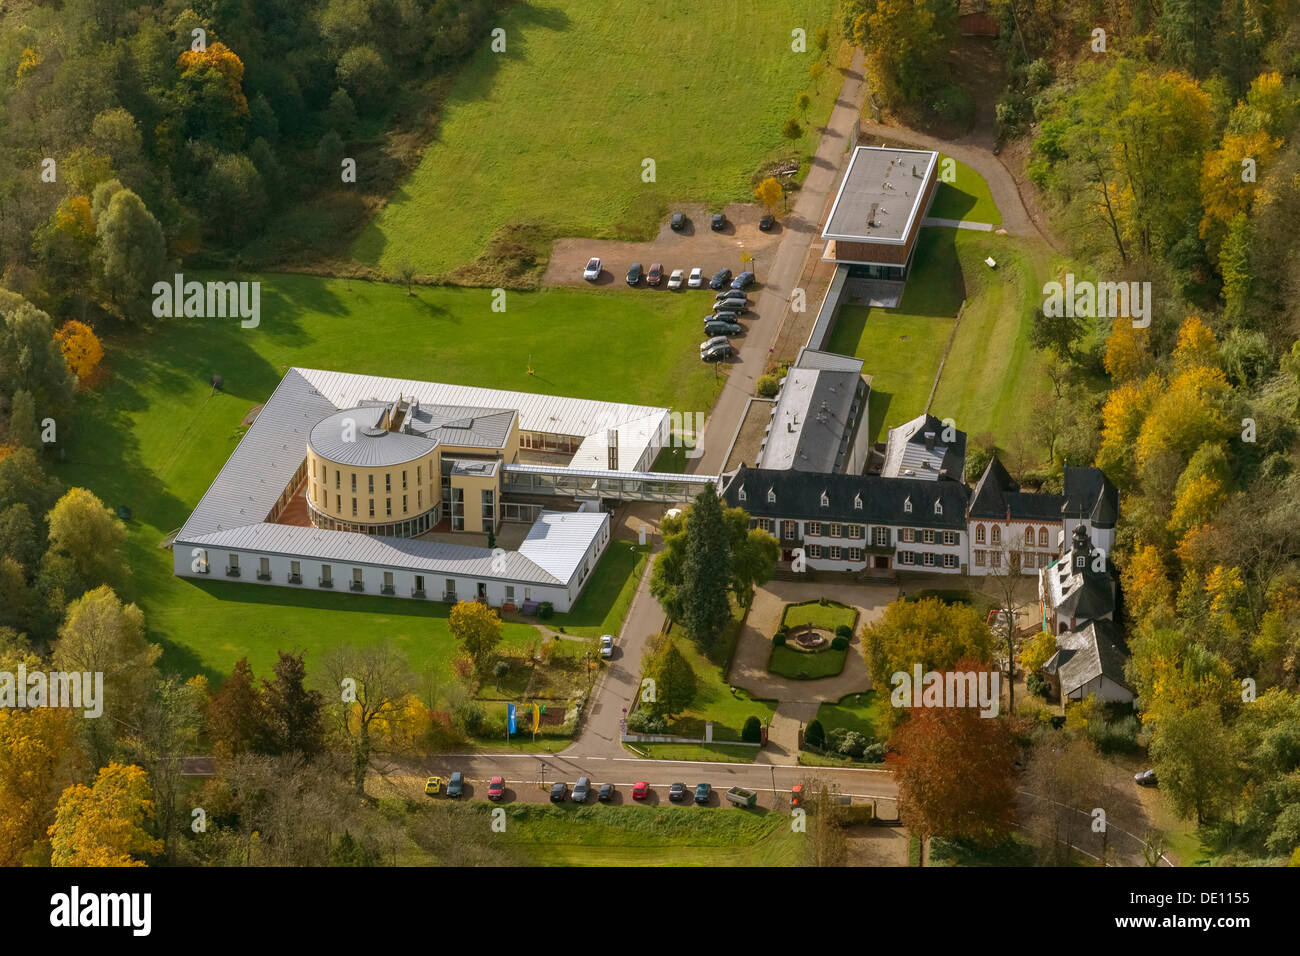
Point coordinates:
[[696, 278], [640, 790], [678, 222], [456, 785], [1146, 778], [581, 789], [722, 327], [558, 791], [677, 792], [720, 278], [712, 342], [592, 272], [496, 788], [717, 353], [606, 645], [743, 281], [433, 786], [675, 280], [731, 294], [606, 793], [656, 274], [634, 274], [719, 222], [702, 791], [766, 223], [732, 306]]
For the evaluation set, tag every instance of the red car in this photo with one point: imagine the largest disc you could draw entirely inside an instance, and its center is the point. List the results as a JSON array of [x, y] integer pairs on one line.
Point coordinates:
[[796, 795], [655, 275], [640, 789], [496, 788]]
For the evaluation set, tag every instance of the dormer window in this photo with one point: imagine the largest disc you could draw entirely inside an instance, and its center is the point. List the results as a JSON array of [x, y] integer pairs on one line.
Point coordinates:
[[740, 494], [1079, 562], [771, 497], [857, 502], [938, 507], [826, 502], [907, 506]]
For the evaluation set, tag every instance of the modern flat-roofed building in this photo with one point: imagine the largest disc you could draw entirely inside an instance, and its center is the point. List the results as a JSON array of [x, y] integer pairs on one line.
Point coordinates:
[[878, 210], [371, 484], [819, 419]]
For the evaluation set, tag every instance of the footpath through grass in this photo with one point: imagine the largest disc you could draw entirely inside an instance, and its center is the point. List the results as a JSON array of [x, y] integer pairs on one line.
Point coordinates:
[[554, 133]]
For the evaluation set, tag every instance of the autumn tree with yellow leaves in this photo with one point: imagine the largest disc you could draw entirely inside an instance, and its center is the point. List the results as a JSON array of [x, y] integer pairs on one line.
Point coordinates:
[[104, 824]]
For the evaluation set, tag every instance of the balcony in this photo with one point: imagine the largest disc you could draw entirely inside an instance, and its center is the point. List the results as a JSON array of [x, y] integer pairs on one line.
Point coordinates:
[[325, 582], [417, 592], [263, 575], [388, 589], [357, 586], [295, 579], [449, 597], [232, 572]]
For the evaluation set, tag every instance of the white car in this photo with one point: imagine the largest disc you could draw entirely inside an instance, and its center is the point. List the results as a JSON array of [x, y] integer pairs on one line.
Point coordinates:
[[712, 343], [606, 645], [592, 272], [675, 280], [697, 278]]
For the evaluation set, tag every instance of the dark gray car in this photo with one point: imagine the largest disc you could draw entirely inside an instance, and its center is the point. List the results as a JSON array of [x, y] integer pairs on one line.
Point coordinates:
[[580, 790]]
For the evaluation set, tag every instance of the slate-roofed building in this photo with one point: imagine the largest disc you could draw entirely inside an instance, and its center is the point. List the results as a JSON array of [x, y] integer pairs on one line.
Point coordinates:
[[1035, 526], [925, 448], [1090, 662], [1078, 587], [855, 522], [819, 418]]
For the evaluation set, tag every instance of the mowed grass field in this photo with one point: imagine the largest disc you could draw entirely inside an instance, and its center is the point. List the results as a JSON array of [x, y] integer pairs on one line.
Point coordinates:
[[570, 835], [155, 435], [966, 198], [554, 132], [991, 370]]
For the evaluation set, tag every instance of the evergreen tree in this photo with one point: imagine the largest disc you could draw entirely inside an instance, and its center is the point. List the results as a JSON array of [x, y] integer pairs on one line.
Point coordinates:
[[706, 570]]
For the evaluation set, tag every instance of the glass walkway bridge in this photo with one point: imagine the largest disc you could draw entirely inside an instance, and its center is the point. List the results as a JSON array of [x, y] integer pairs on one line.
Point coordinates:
[[594, 483]]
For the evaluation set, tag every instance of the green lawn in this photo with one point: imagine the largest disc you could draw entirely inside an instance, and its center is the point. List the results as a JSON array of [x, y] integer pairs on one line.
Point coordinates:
[[714, 699], [806, 665], [828, 616], [552, 133], [569, 835], [718, 753], [860, 712], [992, 371], [155, 434], [966, 198], [902, 347], [607, 596]]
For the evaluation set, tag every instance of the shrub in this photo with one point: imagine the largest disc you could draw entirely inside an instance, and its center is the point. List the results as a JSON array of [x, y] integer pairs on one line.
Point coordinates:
[[836, 737], [814, 735], [545, 610], [644, 722], [1037, 685], [778, 640], [768, 385], [752, 732], [501, 669], [839, 643], [853, 744], [844, 631], [469, 718], [1116, 736], [874, 753]]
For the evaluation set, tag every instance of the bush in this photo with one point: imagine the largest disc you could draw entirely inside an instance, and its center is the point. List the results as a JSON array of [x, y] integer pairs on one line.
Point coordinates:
[[874, 753], [1036, 685], [839, 643], [644, 722], [1116, 736], [545, 610], [501, 670], [853, 744], [778, 640], [752, 732], [768, 385], [844, 631], [814, 735], [469, 718]]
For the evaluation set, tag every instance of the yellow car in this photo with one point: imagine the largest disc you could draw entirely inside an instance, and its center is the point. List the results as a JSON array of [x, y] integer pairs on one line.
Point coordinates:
[[433, 785]]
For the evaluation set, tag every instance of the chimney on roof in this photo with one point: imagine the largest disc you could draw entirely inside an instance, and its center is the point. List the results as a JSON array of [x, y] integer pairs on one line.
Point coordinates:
[[929, 439]]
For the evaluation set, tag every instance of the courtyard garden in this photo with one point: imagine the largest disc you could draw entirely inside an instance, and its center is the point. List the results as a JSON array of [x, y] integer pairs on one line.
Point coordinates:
[[813, 640], [848, 732]]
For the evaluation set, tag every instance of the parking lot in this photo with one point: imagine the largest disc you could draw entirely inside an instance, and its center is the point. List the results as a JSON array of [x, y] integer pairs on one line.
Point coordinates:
[[695, 245]]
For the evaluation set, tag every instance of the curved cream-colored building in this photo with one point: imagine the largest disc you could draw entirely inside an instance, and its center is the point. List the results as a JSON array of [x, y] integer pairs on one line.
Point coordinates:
[[363, 477]]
